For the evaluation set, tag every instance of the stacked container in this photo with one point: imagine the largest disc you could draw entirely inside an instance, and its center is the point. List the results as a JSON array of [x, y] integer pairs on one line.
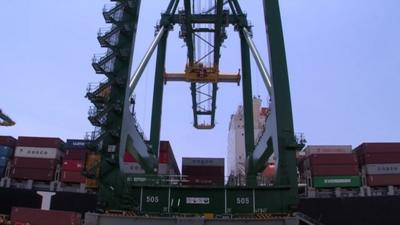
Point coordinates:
[[331, 167], [92, 160], [36, 158], [166, 160], [380, 163], [74, 161], [203, 171], [44, 217], [7, 145]]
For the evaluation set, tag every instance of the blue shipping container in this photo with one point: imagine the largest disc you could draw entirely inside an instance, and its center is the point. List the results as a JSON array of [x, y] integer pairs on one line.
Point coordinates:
[[3, 161], [76, 144], [6, 151], [2, 171]]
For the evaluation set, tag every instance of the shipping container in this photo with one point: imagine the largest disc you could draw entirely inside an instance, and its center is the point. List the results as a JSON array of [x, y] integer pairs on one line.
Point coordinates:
[[379, 158], [383, 180], [91, 183], [336, 181], [76, 144], [38, 152], [3, 161], [76, 154], [327, 149], [8, 141], [32, 163], [72, 177], [92, 160], [44, 142], [32, 174], [331, 159], [44, 217], [2, 171], [378, 148], [167, 161], [203, 162], [377, 169], [334, 170], [72, 165], [6, 151]]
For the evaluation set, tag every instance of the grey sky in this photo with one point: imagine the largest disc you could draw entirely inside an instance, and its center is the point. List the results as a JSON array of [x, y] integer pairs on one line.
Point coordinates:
[[343, 59]]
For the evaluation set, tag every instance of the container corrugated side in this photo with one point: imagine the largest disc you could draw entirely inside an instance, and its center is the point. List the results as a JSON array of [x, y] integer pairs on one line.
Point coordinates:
[[3, 161], [76, 154], [32, 174], [335, 170], [6, 151], [387, 168], [8, 141], [203, 162], [378, 148], [72, 177], [2, 171], [72, 165], [383, 180], [32, 163], [44, 217], [332, 159], [327, 149], [336, 181], [379, 158], [46, 142], [38, 152]]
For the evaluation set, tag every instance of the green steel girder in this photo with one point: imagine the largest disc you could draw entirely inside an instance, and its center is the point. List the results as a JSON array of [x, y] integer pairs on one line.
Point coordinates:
[[5, 120], [286, 146], [158, 95]]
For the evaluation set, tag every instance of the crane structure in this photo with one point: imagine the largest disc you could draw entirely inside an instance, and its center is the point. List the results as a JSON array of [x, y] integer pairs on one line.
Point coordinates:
[[203, 32], [5, 120]]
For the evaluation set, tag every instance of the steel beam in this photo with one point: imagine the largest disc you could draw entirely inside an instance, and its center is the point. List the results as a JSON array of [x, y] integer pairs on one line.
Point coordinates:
[[158, 95], [286, 171]]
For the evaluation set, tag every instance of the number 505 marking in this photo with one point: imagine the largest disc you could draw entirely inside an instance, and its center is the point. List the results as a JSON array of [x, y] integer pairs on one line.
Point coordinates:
[[242, 201], [152, 199]]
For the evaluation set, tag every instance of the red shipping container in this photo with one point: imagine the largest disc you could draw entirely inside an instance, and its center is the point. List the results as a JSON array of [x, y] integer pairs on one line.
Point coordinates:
[[72, 177], [44, 217], [383, 180], [378, 158], [8, 141], [333, 159], [204, 180], [32, 174], [212, 171], [336, 170], [45, 142], [75, 154], [34, 163], [163, 157], [378, 148], [73, 165], [128, 157]]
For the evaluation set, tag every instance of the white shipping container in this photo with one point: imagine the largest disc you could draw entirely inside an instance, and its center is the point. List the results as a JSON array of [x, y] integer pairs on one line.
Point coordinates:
[[380, 169], [327, 149], [203, 162], [132, 167], [38, 152]]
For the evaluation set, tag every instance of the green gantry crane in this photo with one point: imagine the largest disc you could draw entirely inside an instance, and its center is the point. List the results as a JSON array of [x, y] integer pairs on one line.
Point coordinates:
[[117, 129]]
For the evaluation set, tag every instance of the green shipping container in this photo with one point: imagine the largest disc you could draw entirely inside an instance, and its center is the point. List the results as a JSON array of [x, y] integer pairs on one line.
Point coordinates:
[[336, 181], [239, 201]]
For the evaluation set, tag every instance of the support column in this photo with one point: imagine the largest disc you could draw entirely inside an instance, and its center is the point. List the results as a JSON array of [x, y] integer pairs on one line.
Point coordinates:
[[247, 103], [158, 95], [286, 172]]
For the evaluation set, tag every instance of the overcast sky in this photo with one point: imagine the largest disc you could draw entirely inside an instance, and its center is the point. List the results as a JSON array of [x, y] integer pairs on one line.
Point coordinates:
[[343, 59]]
